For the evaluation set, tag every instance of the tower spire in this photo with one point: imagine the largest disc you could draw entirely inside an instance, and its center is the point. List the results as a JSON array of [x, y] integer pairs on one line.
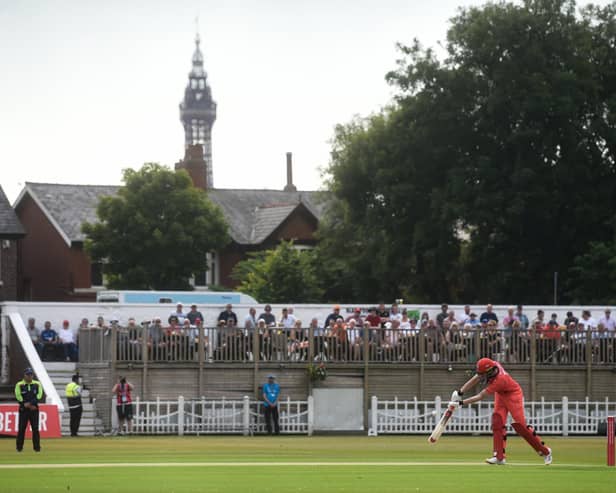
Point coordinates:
[[197, 114]]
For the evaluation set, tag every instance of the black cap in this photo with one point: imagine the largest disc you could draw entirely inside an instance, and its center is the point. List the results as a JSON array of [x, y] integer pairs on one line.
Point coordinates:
[[28, 371]]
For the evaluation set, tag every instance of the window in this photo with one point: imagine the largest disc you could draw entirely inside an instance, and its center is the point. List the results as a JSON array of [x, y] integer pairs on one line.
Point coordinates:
[[210, 276], [96, 274]]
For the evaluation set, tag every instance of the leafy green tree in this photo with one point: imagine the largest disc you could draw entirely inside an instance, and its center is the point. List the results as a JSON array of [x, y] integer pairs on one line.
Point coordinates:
[[155, 233], [284, 274], [494, 168], [593, 275]]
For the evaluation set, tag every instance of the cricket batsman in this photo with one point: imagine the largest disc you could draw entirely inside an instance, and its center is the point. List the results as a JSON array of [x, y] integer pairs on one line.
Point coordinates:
[[508, 398]]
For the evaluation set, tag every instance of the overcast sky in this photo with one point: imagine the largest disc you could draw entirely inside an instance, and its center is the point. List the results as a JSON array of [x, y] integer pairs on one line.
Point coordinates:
[[88, 88]]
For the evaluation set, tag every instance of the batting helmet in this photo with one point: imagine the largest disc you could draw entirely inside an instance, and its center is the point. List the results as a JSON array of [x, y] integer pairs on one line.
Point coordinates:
[[484, 365]]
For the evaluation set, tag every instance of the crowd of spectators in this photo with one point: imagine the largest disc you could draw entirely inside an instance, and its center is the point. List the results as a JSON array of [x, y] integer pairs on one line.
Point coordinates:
[[54, 345], [389, 334]]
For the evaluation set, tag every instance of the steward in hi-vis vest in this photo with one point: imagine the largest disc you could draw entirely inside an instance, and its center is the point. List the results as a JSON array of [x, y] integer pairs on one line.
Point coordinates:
[[73, 396], [28, 393]]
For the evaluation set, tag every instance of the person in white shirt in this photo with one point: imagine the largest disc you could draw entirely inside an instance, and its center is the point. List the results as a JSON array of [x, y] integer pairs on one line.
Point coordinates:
[[587, 321], [395, 314], [178, 313], [35, 335], [68, 339], [608, 322], [287, 320]]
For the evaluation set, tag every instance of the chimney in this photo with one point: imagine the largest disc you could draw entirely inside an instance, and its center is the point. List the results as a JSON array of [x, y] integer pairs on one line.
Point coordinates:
[[289, 186], [195, 165]]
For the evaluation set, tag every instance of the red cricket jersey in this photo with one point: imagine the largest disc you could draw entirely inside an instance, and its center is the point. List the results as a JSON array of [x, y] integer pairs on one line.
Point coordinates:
[[502, 383]]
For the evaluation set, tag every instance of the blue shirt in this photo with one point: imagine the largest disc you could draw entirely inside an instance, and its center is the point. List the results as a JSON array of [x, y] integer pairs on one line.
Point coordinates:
[[48, 335], [271, 391]]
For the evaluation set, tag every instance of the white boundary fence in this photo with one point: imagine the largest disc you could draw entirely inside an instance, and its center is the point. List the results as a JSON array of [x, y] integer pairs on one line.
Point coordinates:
[[562, 417], [197, 417]]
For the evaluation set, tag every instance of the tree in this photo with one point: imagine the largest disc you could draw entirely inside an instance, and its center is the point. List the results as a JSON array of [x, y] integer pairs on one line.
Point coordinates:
[[494, 168], [593, 275], [284, 274], [155, 233]]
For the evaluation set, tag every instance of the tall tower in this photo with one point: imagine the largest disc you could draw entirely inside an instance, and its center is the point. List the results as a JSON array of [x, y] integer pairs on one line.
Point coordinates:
[[197, 113]]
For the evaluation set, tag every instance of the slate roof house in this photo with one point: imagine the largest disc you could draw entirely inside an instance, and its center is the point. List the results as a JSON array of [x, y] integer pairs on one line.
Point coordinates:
[[11, 231], [55, 267]]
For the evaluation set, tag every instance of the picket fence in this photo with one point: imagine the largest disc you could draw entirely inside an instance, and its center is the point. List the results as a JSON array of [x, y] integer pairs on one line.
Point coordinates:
[[224, 416], [562, 417], [245, 416]]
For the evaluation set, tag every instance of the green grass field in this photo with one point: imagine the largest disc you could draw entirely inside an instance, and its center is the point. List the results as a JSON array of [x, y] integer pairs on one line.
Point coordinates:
[[302, 464]]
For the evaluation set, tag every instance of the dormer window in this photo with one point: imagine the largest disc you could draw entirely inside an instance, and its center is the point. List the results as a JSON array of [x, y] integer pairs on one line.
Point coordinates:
[[193, 83], [198, 96], [201, 84]]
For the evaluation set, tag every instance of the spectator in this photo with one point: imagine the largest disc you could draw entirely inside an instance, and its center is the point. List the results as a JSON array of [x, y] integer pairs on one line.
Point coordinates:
[[298, 342], [286, 320], [265, 339], [540, 317], [523, 319], [100, 323], [395, 313], [508, 324], [49, 340], [442, 315], [227, 314], [467, 314], [608, 322], [332, 316], [383, 313], [250, 322], [178, 313], [271, 391], [373, 318], [587, 321], [124, 404], [550, 336], [509, 319], [68, 339], [356, 316], [134, 339], [339, 339], [473, 321], [488, 315], [493, 341], [156, 333], [194, 314], [571, 320], [456, 347], [451, 317], [405, 323], [35, 335], [268, 317], [84, 324], [318, 334]]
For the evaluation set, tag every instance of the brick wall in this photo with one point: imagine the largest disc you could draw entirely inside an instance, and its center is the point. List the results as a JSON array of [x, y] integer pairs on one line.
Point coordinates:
[[8, 270]]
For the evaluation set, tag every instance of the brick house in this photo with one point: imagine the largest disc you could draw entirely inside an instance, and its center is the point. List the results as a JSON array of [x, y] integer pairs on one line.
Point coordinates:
[[54, 266], [11, 231]]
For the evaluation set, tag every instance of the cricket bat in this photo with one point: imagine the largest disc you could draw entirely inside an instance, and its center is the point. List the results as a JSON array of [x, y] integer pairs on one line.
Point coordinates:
[[441, 425]]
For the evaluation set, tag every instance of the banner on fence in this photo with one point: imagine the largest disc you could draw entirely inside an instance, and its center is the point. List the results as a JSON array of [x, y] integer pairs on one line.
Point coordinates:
[[49, 421]]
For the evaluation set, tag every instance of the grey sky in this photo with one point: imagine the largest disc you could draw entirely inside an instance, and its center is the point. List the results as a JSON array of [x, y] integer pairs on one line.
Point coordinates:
[[89, 88]]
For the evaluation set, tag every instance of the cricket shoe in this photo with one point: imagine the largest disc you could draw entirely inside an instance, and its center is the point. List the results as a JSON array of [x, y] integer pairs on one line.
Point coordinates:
[[547, 459], [495, 461]]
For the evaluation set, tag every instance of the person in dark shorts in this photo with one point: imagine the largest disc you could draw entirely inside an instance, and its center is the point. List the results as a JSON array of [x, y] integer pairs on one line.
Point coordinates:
[[124, 404]]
